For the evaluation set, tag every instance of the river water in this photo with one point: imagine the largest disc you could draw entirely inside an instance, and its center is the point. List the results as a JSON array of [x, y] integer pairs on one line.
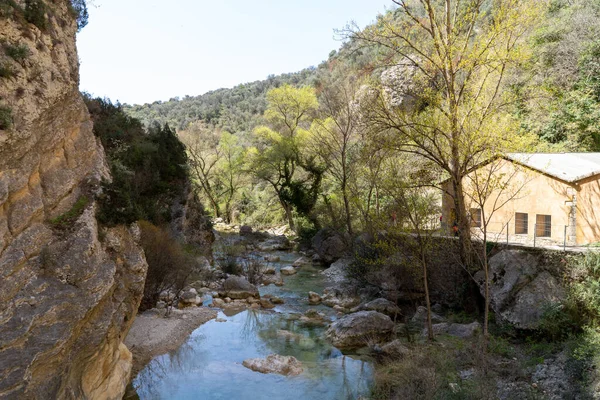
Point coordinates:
[[209, 364]]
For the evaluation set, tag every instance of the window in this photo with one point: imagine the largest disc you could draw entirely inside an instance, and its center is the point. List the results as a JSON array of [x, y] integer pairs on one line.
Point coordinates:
[[475, 217], [543, 225], [521, 223]]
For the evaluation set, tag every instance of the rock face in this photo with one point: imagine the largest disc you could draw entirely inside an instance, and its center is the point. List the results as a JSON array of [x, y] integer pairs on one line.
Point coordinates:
[[336, 273], [520, 286], [275, 364], [358, 329], [68, 295], [330, 245], [236, 287]]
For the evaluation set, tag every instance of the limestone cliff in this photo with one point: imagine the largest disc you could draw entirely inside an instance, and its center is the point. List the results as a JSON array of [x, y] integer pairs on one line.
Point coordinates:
[[68, 290]]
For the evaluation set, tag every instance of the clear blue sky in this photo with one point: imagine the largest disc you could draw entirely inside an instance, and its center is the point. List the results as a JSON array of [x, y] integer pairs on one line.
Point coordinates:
[[139, 51]]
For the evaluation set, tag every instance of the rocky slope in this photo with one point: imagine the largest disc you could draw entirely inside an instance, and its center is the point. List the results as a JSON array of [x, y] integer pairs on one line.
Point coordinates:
[[68, 289]]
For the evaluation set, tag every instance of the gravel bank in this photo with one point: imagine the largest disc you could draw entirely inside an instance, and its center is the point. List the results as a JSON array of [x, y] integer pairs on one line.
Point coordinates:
[[153, 334]]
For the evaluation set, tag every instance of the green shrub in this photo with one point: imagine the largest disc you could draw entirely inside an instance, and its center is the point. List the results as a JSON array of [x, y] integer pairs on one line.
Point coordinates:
[[67, 219], [6, 119], [8, 8], [6, 71], [228, 254], [148, 168], [17, 52], [501, 346], [35, 13]]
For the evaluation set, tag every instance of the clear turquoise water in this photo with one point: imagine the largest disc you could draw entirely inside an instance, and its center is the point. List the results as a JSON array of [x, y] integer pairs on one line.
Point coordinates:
[[209, 364]]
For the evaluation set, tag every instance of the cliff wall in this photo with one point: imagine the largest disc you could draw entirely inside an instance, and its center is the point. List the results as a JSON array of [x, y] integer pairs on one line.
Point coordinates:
[[68, 289]]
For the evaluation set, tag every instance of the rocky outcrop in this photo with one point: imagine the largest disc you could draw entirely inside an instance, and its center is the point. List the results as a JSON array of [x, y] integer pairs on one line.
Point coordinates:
[[383, 306], [521, 285], [336, 273], [330, 245], [359, 329], [189, 222], [275, 364], [69, 290]]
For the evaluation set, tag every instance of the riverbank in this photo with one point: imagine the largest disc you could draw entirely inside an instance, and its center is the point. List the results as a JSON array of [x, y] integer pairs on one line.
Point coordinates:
[[153, 333]]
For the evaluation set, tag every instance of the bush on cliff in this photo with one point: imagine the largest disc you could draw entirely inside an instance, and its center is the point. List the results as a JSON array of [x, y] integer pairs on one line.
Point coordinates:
[[148, 168]]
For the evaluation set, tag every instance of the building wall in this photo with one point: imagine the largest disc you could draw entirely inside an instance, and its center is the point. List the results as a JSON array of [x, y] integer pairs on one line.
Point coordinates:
[[588, 211], [532, 193]]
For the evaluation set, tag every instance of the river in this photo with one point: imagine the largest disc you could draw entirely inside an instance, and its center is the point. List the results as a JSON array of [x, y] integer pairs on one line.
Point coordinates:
[[209, 364]]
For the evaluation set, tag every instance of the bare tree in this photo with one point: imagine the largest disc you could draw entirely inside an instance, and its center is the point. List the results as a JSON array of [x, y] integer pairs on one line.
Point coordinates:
[[336, 135], [204, 153], [444, 98], [491, 188]]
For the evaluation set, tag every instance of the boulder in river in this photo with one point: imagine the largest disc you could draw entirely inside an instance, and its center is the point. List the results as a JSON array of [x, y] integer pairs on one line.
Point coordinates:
[[335, 297], [237, 287], [301, 262], [274, 243], [359, 329], [269, 271], [271, 258], [288, 271], [264, 303], [275, 364], [314, 298]]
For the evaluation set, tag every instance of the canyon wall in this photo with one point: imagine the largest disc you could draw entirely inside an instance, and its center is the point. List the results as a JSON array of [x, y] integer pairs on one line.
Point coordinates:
[[69, 289]]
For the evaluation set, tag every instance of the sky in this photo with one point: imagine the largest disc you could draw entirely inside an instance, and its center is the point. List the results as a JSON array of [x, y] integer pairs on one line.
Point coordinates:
[[140, 51]]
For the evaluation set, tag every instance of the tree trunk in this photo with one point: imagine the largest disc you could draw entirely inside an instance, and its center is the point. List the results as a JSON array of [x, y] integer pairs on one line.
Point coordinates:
[[347, 208], [486, 312], [289, 216], [464, 227]]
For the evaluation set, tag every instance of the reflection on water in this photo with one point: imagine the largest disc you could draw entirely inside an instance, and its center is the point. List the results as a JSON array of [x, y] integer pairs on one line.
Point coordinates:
[[209, 364]]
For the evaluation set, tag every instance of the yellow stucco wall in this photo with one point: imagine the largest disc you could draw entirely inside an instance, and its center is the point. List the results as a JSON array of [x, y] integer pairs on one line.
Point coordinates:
[[588, 211], [536, 194]]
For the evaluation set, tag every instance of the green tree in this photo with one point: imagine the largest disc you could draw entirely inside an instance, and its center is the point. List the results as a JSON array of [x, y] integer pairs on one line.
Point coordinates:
[[280, 155]]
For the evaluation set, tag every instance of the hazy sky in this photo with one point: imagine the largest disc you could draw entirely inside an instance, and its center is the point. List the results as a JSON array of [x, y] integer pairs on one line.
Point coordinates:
[[139, 51]]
